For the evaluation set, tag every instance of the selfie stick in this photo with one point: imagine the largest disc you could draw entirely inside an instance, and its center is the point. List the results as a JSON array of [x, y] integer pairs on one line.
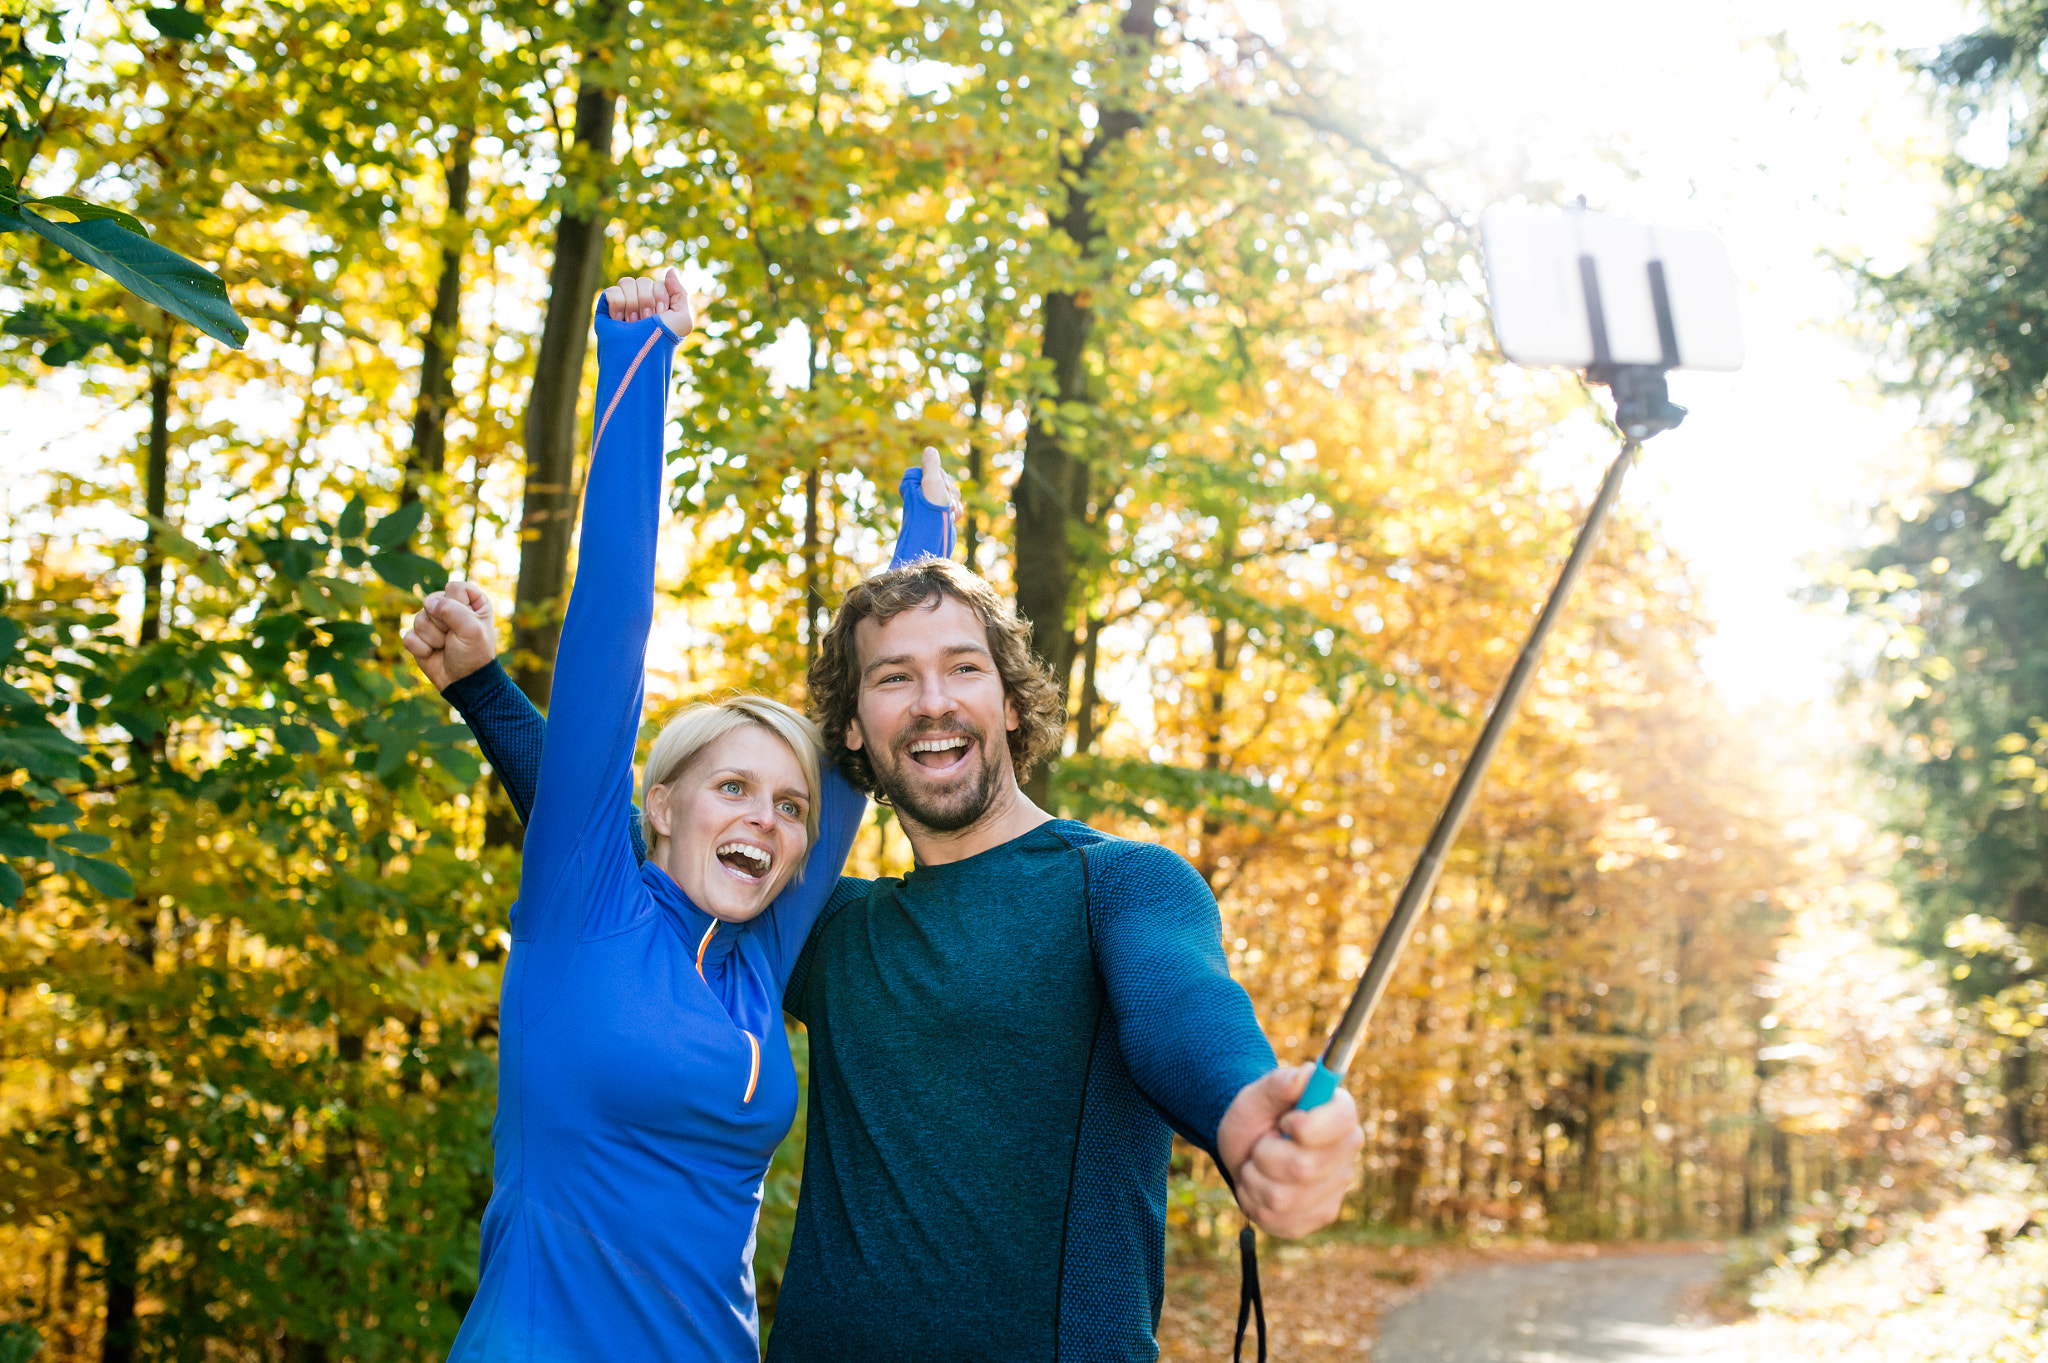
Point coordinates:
[[1642, 408]]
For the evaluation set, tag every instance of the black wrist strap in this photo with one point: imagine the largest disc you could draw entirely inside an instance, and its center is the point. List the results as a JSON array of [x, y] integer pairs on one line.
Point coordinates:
[[1250, 1303]]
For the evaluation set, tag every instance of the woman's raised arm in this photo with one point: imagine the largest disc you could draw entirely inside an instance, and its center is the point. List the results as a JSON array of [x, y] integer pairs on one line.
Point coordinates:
[[583, 796]]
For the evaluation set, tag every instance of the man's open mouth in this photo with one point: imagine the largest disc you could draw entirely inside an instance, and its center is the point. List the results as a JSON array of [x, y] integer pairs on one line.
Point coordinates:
[[941, 753], [744, 860]]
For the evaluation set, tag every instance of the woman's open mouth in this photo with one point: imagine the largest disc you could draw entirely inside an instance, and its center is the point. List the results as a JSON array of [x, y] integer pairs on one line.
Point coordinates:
[[941, 754], [744, 861]]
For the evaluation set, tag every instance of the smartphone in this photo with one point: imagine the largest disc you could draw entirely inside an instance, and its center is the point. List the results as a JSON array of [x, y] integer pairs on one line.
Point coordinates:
[[1570, 287]]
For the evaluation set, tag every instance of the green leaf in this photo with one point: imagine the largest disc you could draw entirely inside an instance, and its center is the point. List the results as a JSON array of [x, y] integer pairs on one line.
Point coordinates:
[[87, 211], [297, 738], [353, 518], [409, 572], [85, 842], [17, 841], [391, 760], [397, 528], [466, 767], [176, 23], [104, 876], [70, 334], [10, 890], [19, 1341], [151, 272]]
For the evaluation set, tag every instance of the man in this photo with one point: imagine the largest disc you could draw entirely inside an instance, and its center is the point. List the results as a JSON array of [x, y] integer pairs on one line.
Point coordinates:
[[1001, 1040]]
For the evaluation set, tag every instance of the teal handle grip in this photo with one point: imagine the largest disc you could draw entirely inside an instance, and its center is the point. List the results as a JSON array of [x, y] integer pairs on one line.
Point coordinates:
[[1322, 1087]]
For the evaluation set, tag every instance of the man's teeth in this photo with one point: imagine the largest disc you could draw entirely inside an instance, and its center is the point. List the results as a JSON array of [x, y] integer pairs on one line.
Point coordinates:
[[937, 744], [747, 850]]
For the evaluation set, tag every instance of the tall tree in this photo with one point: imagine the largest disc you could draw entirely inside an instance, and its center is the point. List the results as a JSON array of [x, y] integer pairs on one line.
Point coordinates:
[[428, 455], [547, 519]]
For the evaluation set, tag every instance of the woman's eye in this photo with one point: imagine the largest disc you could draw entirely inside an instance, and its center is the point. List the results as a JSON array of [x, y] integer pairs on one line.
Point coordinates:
[[731, 787], [790, 810]]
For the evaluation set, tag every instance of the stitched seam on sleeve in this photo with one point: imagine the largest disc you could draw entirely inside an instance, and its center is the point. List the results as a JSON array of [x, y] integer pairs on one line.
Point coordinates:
[[619, 394]]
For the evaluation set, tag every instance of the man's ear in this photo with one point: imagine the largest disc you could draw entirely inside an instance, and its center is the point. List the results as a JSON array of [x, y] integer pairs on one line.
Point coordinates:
[[1009, 713], [852, 740], [657, 810]]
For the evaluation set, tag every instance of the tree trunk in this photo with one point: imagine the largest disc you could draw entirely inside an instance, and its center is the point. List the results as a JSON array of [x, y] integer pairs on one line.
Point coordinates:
[[121, 1273], [2018, 1094], [1045, 486], [121, 1245], [1050, 485], [550, 509], [156, 488], [1085, 728], [977, 394], [814, 592], [428, 456]]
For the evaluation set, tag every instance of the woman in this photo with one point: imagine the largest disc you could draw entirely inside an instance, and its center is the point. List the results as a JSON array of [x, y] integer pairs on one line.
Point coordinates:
[[644, 1076]]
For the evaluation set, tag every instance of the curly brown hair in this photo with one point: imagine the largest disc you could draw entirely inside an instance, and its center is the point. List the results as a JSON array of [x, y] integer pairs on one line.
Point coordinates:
[[834, 677]]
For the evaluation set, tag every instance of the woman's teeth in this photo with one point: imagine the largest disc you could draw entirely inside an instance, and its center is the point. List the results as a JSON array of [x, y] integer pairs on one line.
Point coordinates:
[[744, 858]]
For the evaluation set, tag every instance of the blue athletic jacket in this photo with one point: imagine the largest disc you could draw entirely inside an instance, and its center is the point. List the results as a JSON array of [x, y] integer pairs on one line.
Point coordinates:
[[644, 1077]]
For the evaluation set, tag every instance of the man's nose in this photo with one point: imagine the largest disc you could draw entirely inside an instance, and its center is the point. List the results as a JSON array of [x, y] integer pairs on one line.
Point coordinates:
[[934, 697]]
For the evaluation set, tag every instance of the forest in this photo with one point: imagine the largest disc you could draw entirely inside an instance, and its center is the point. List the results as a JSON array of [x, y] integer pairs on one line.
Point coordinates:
[[1200, 330]]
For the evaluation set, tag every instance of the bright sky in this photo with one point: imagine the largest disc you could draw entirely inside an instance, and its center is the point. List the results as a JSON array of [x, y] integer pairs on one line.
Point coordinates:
[[1740, 116]]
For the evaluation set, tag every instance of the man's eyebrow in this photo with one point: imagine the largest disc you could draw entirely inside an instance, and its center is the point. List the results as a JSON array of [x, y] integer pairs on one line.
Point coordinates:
[[903, 659], [893, 660]]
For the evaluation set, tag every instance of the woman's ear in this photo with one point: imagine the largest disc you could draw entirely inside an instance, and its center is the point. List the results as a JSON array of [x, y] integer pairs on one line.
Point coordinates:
[[657, 810]]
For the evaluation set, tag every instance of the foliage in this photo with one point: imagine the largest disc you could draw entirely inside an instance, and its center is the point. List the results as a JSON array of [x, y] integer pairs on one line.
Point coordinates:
[[1968, 313], [244, 1105], [1958, 1280], [1963, 676], [108, 239], [1955, 587]]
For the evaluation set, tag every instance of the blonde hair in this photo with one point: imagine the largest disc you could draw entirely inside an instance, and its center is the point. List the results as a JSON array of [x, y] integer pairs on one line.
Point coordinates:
[[684, 738]]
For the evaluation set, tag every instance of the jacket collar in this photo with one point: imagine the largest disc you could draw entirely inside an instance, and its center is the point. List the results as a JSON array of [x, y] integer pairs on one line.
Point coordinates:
[[710, 939]]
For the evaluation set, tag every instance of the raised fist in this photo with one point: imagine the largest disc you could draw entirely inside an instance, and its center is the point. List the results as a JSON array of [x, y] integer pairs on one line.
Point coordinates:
[[454, 634], [635, 298]]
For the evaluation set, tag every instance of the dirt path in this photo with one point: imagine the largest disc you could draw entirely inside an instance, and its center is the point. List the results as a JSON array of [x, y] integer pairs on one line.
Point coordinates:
[[1612, 1309], [1438, 1304]]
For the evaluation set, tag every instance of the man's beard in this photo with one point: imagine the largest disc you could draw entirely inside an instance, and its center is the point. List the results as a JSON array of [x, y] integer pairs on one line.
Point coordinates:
[[947, 813]]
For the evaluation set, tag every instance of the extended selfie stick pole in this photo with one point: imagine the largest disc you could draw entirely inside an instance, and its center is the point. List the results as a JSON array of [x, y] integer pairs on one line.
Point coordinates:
[[1641, 410]]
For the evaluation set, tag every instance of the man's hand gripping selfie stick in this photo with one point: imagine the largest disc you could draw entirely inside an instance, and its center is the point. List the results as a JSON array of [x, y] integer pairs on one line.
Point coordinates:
[[1545, 271]]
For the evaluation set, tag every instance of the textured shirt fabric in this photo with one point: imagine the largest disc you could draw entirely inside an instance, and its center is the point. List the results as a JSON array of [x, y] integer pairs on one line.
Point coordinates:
[[999, 1047], [644, 1076]]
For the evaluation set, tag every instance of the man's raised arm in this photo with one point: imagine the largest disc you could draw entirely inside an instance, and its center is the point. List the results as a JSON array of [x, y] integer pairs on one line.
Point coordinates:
[[454, 640], [1192, 1042]]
